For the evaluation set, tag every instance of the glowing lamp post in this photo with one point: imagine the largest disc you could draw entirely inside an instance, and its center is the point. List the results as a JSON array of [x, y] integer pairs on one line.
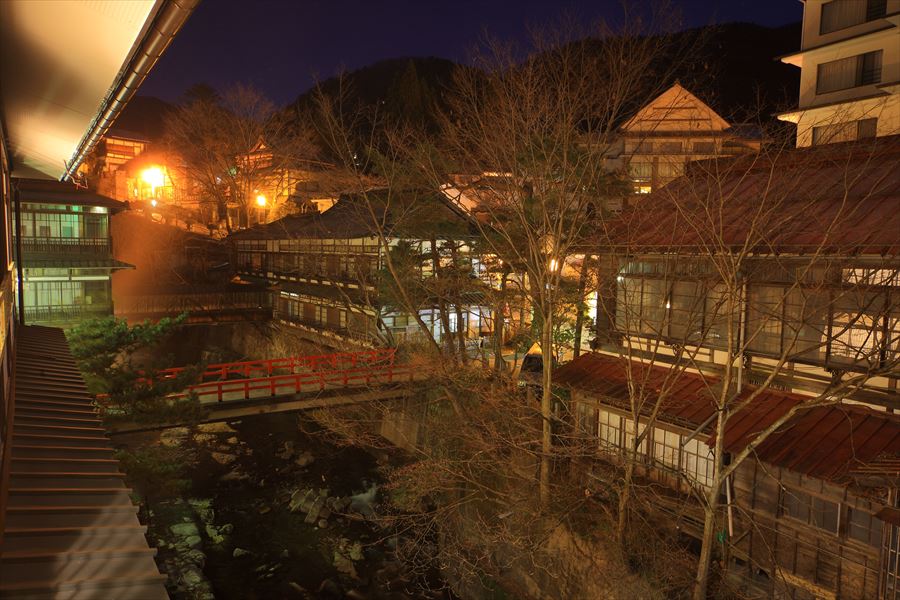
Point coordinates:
[[261, 201]]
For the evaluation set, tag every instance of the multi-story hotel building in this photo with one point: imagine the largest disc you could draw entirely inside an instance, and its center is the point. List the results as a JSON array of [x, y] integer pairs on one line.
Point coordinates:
[[850, 71]]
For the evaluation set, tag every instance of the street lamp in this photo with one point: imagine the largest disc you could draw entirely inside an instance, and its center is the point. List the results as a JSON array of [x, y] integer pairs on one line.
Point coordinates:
[[154, 177], [260, 200]]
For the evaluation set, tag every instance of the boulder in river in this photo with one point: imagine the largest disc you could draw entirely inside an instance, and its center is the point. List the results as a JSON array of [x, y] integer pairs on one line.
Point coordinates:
[[239, 553], [305, 459], [223, 458], [184, 529]]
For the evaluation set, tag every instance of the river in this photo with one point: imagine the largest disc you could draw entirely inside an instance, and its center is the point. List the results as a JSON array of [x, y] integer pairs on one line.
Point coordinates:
[[232, 533]]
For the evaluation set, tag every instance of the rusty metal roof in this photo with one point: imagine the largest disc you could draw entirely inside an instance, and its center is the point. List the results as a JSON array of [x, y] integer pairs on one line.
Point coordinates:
[[841, 197], [839, 443]]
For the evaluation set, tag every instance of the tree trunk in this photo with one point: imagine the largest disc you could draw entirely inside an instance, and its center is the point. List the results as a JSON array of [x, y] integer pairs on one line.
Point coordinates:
[[624, 502], [708, 539], [461, 328], [442, 305], [579, 316], [707, 543], [546, 405], [498, 326]]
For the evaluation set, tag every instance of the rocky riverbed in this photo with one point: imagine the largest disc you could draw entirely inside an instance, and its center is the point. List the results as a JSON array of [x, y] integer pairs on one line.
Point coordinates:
[[273, 510]]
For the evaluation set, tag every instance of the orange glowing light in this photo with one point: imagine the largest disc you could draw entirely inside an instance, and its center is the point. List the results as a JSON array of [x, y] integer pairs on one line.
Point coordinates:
[[154, 177]]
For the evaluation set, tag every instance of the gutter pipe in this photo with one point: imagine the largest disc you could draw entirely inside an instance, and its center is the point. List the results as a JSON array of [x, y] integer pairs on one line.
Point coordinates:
[[170, 16]]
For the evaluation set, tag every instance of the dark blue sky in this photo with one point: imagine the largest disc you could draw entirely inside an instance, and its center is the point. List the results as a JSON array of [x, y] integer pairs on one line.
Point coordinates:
[[283, 46]]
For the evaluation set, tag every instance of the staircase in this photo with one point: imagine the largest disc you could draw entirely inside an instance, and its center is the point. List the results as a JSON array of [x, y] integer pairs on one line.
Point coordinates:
[[71, 531]]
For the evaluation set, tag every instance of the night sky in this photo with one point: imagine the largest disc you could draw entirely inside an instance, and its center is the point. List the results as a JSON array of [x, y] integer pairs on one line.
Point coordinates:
[[284, 46]]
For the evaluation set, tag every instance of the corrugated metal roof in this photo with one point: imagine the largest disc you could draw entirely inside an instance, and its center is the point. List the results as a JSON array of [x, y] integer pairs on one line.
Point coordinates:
[[838, 443], [841, 197]]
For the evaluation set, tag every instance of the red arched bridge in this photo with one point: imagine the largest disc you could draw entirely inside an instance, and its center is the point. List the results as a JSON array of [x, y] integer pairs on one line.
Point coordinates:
[[238, 389]]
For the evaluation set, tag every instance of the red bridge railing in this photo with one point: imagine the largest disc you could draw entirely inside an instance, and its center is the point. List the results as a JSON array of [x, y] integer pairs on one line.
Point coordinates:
[[291, 365], [295, 383]]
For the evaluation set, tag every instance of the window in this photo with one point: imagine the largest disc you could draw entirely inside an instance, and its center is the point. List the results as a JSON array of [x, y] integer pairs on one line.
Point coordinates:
[[857, 327], [586, 419], [640, 170], [765, 318], [610, 430], [642, 147], [863, 69], [844, 132], [668, 169], [840, 14], [686, 311], [864, 527], [641, 305], [811, 510], [669, 147], [806, 322], [630, 435], [717, 318], [666, 447], [697, 462], [704, 147]]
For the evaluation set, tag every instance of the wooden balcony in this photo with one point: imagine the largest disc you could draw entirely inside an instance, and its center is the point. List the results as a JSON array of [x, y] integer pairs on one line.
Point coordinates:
[[66, 246]]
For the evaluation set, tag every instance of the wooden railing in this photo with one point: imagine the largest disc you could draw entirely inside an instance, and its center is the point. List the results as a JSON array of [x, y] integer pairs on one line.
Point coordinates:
[[282, 385], [291, 365], [61, 245], [66, 313], [193, 302]]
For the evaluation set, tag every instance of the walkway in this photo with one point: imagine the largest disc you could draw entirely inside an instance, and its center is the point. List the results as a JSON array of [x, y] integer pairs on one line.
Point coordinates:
[[294, 383], [71, 530]]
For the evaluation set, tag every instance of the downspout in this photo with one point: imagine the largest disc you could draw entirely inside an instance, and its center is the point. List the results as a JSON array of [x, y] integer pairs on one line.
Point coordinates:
[[20, 280], [169, 18]]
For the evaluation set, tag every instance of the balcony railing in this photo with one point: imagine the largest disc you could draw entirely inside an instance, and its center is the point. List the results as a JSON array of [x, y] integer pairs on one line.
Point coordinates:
[[66, 313], [60, 245], [194, 302]]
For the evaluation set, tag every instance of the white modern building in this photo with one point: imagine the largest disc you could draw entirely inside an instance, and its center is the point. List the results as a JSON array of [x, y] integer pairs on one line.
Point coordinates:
[[850, 79]]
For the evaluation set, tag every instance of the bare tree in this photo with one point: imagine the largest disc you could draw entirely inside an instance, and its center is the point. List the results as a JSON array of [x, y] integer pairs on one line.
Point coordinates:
[[238, 150], [740, 271]]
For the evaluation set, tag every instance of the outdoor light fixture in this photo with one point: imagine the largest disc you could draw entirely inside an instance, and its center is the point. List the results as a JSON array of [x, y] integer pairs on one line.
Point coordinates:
[[154, 177], [554, 264], [153, 203], [261, 200]]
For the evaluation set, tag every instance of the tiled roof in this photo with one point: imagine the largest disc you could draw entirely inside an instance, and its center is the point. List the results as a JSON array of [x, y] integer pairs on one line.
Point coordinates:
[[839, 443], [354, 217], [841, 197]]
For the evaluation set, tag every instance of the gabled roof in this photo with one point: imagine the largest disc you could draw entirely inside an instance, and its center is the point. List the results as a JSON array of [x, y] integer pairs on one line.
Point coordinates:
[[675, 110], [841, 198], [838, 443]]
